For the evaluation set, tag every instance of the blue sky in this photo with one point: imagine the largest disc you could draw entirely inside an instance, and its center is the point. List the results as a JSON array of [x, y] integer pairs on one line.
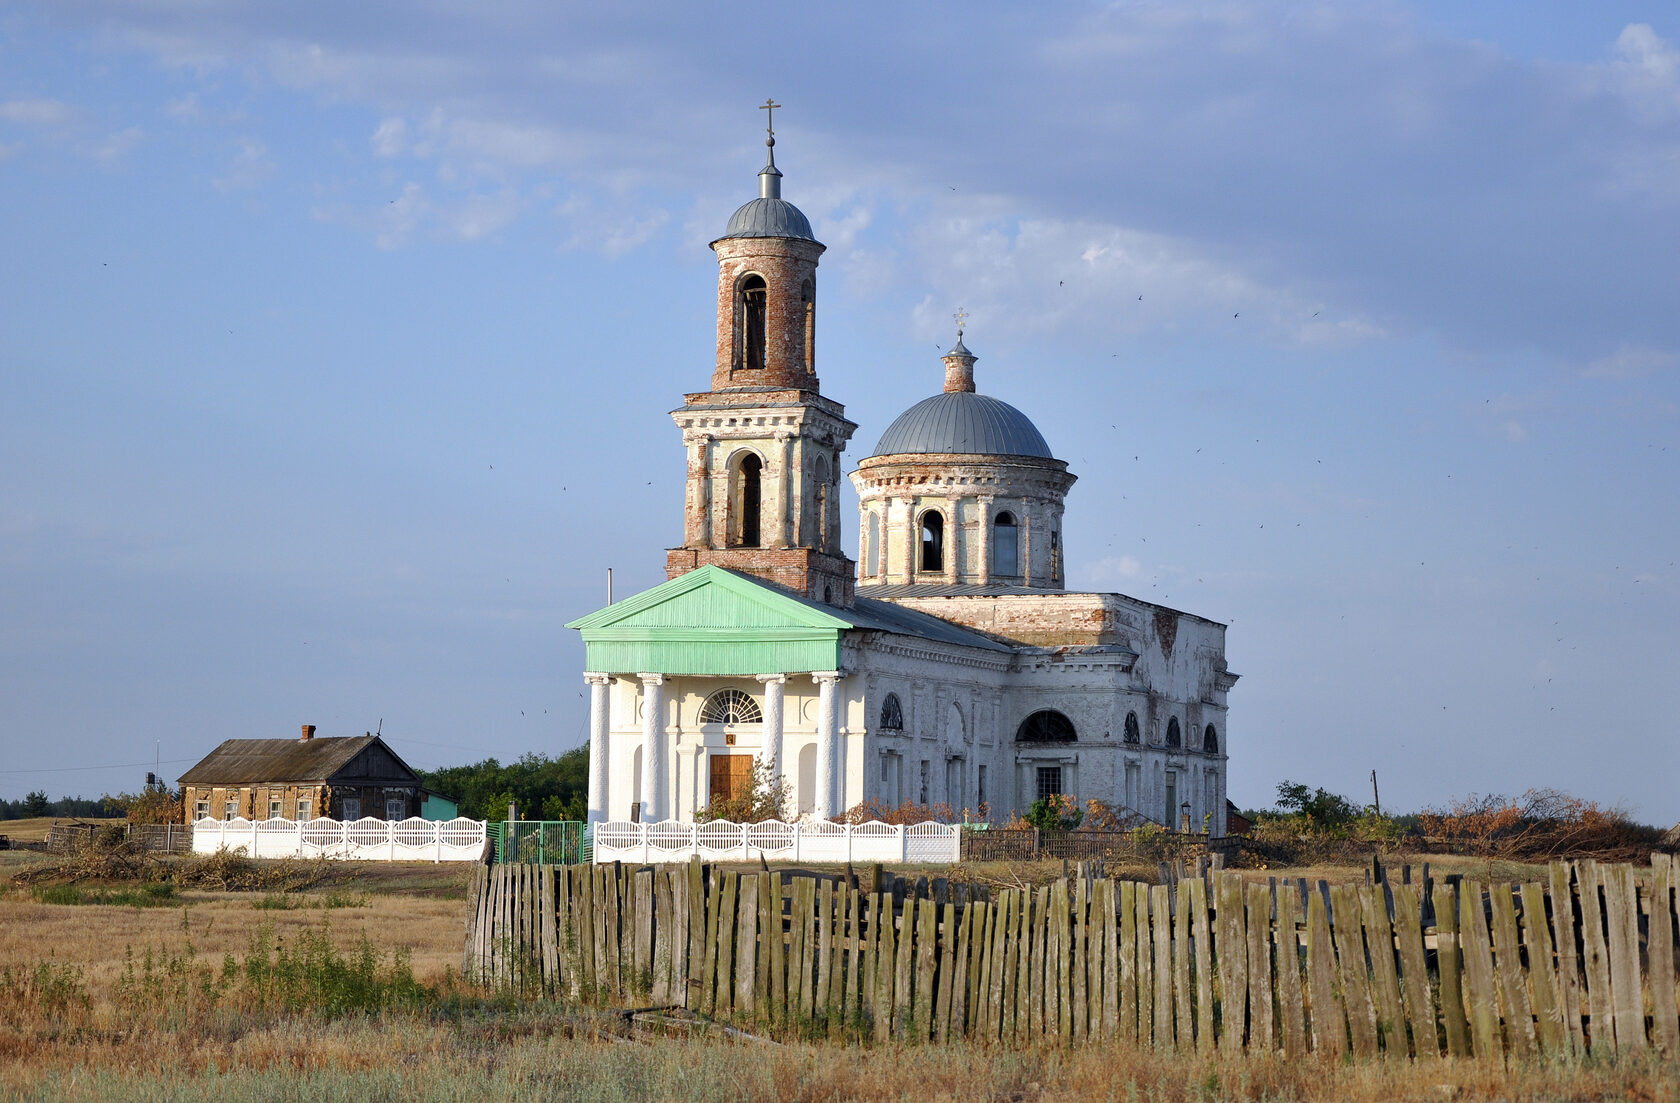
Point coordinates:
[[338, 343]]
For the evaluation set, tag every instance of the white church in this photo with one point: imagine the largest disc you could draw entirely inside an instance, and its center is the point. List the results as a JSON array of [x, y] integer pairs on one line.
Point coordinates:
[[950, 667]]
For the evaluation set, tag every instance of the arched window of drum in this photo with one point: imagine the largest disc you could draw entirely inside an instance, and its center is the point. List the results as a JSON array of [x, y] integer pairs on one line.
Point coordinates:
[[871, 547], [730, 706], [1006, 545], [1132, 733], [1210, 740], [1046, 726], [808, 299], [754, 296], [892, 714], [746, 501], [1174, 738], [933, 541]]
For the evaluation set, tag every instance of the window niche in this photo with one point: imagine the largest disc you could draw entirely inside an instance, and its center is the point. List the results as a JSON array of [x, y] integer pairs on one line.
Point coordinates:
[[892, 714], [1006, 546], [746, 500], [1210, 740], [1175, 738], [1046, 726], [933, 541], [753, 298], [1133, 735]]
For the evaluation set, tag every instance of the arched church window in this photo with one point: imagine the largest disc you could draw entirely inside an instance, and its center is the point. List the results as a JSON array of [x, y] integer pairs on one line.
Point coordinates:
[[1006, 545], [808, 299], [1132, 734], [1046, 726], [933, 541], [746, 503], [1174, 738], [892, 714], [1210, 740], [872, 544], [730, 706], [754, 299]]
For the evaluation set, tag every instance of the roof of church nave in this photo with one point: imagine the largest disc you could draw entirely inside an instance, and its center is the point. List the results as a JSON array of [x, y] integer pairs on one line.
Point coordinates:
[[961, 421]]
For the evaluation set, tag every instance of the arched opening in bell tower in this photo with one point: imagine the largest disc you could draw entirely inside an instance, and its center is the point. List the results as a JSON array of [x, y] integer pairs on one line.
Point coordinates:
[[808, 302], [745, 500], [754, 335]]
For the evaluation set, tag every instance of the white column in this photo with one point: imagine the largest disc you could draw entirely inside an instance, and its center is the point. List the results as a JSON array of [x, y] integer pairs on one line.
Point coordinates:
[[653, 749], [600, 690], [785, 529], [983, 569], [770, 743], [828, 743]]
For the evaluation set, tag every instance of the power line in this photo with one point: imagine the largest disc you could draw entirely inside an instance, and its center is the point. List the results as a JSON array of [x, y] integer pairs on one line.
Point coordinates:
[[112, 766]]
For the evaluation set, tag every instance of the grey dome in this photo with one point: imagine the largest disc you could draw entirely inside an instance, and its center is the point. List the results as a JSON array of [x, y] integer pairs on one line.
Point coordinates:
[[963, 422], [769, 217]]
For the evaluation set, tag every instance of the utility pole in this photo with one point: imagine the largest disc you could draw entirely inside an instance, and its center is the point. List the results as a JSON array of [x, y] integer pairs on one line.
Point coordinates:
[[1376, 801]]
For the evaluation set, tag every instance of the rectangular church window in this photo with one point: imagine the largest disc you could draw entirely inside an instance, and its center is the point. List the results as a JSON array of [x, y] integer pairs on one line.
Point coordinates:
[[1049, 781]]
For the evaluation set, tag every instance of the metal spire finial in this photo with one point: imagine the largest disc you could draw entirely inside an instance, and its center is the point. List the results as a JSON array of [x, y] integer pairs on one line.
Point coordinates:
[[769, 108]]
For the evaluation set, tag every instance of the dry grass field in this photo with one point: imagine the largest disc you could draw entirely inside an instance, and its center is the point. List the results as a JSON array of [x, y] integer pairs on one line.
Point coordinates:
[[228, 996]]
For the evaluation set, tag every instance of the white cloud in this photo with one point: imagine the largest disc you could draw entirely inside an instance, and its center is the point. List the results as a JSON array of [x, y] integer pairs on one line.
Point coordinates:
[[117, 145], [250, 167], [186, 108], [479, 216], [391, 138], [41, 112], [1514, 431], [397, 222], [1646, 70], [1629, 362], [1109, 571]]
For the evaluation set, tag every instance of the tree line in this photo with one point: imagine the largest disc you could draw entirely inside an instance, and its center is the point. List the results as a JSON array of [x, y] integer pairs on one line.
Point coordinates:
[[540, 787]]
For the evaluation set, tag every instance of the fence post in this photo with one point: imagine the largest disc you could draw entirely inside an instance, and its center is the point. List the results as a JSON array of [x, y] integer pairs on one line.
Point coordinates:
[[903, 845], [1035, 844], [437, 841], [798, 834], [253, 834], [642, 830], [848, 844]]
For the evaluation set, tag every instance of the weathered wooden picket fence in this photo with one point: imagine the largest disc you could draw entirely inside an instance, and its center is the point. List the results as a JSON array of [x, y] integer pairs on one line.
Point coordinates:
[[1583, 961]]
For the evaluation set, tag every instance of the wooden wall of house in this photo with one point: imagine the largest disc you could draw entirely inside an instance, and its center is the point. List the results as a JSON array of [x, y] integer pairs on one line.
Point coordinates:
[[254, 800]]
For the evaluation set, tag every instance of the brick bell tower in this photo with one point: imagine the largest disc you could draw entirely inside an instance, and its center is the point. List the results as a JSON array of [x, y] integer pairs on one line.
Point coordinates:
[[763, 444]]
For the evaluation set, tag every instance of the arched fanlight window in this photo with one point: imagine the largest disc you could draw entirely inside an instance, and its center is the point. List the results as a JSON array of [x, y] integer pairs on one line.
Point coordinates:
[[1132, 733], [808, 297], [933, 541], [892, 714], [1046, 726], [1006, 545], [1210, 740], [730, 706], [754, 297], [1174, 738], [747, 501]]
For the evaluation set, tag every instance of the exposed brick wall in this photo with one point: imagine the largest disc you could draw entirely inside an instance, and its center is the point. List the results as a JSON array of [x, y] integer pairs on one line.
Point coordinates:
[[785, 264], [802, 571]]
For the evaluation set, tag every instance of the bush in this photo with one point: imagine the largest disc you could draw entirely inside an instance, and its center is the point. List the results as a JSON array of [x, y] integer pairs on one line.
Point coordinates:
[[902, 815], [1057, 812], [1540, 825], [765, 799]]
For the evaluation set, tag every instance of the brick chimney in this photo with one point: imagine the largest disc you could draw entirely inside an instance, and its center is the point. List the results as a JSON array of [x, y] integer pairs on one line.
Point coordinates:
[[308, 733]]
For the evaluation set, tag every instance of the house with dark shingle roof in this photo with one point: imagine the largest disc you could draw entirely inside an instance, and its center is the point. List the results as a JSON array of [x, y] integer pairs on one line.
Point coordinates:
[[343, 778]]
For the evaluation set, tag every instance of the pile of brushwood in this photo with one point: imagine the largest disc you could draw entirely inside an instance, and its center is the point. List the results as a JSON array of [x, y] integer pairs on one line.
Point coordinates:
[[109, 857]]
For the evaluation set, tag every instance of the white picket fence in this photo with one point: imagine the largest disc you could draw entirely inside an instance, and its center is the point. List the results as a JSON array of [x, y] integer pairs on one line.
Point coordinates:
[[805, 841], [411, 840]]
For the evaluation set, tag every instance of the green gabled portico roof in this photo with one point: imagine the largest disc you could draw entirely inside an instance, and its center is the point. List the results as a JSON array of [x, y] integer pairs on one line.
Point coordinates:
[[711, 621]]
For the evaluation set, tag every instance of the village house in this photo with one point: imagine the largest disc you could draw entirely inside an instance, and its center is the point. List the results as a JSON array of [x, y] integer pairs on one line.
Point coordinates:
[[950, 667], [343, 778]]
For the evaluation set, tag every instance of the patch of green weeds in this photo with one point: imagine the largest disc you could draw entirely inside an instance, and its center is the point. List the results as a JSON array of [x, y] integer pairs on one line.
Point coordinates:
[[151, 894]]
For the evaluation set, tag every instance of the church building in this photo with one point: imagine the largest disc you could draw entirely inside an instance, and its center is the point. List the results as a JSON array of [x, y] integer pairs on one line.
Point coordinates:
[[950, 667]]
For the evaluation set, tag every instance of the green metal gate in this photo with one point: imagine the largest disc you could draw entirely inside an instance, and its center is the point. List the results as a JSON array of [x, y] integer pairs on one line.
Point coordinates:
[[542, 842]]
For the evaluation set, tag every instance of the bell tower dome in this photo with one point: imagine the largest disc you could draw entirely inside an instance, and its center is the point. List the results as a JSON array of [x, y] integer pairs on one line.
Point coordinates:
[[764, 444]]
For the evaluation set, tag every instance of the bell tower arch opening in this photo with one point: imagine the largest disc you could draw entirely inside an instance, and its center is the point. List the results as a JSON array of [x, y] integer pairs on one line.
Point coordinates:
[[746, 500], [752, 304]]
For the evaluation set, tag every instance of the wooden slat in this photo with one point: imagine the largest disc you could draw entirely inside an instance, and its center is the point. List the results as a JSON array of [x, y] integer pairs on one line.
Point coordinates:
[[1513, 980], [979, 931], [870, 963], [1004, 922], [961, 972], [1111, 960], [696, 927], [927, 960], [807, 950], [1565, 934], [886, 958], [1595, 960], [1481, 995], [1257, 915], [588, 918], [1079, 1006], [709, 951], [1665, 1027], [1201, 935], [1145, 969], [1449, 955], [660, 966], [1184, 996], [642, 955], [1013, 959], [1329, 1023], [1626, 991], [606, 978], [824, 956], [945, 997], [1095, 946], [851, 1002], [1414, 971], [551, 928], [1286, 954], [1127, 916], [1231, 945], [746, 946], [729, 913], [1160, 931], [904, 975], [1348, 928], [1023, 964], [1542, 968], [1385, 975], [1058, 980]]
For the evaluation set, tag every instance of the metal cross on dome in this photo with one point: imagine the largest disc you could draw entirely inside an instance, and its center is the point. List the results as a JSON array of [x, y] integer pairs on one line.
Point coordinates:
[[961, 317], [769, 108]]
